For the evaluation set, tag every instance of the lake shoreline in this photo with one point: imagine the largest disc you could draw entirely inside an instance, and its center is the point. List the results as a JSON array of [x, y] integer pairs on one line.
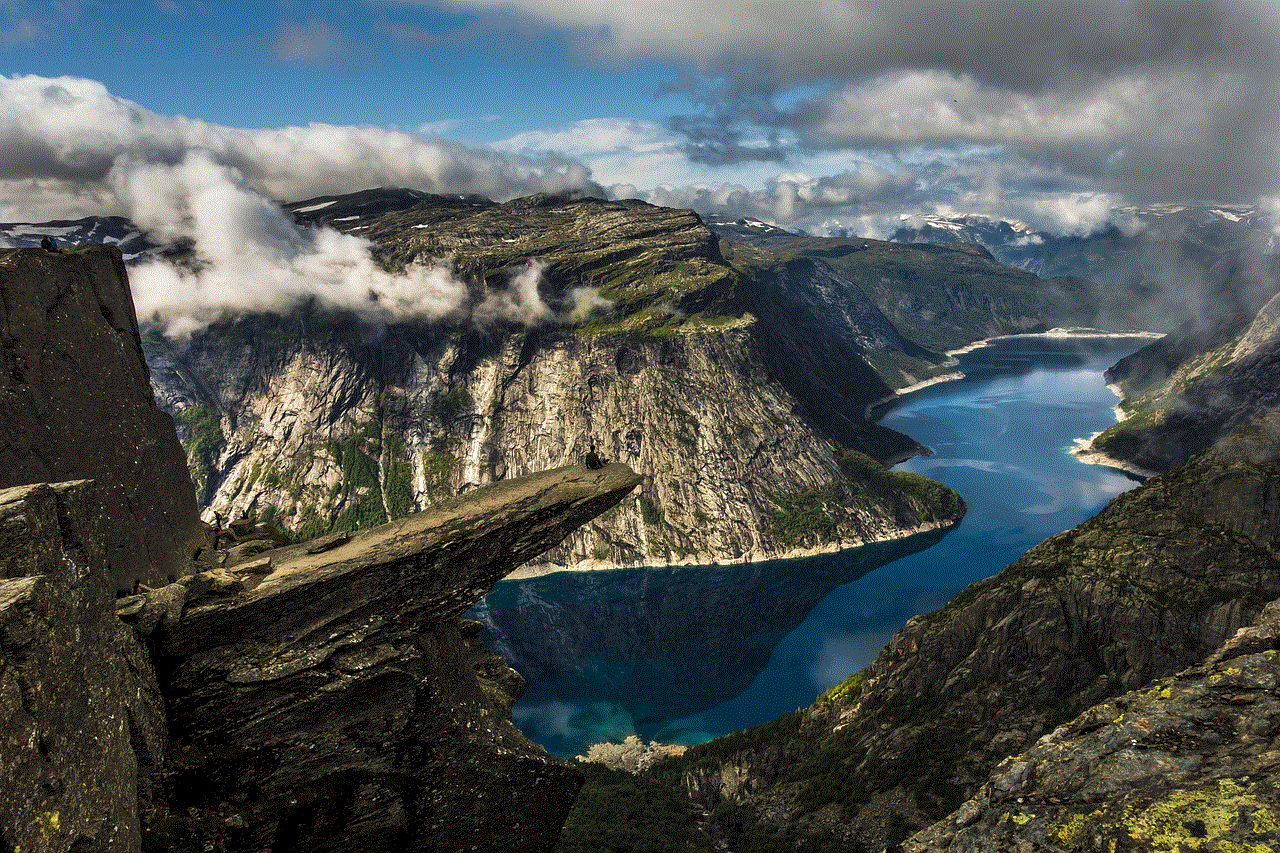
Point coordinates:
[[529, 572]]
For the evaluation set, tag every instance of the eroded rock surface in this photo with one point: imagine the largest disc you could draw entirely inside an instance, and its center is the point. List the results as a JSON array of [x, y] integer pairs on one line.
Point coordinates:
[[337, 703], [82, 729], [76, 402], [1189, 763]]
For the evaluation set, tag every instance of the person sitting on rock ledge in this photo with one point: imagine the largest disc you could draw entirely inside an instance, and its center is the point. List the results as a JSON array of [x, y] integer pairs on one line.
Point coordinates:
[[48, 245], [593, 460]]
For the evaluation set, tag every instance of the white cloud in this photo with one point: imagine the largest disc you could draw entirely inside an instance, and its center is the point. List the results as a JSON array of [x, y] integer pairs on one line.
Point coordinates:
[[72, 130]]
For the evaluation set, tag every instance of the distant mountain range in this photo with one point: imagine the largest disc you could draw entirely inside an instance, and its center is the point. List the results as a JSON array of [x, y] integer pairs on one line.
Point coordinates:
[[113, 230]]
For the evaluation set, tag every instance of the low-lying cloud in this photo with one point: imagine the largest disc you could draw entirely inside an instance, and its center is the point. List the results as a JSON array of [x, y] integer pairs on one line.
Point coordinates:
[[251, 256]]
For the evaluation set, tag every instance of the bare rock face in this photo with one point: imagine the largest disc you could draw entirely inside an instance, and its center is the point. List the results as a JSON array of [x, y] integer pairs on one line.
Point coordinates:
[[82, 727], [736, 396], [76, 402], [337, 702]]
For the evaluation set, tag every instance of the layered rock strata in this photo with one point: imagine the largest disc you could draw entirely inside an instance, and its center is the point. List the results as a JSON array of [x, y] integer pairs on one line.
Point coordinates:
[[325, 696], [76, 402]]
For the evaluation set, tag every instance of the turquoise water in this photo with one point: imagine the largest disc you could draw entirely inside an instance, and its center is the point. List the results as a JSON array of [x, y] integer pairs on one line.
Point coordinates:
[[690, 653]]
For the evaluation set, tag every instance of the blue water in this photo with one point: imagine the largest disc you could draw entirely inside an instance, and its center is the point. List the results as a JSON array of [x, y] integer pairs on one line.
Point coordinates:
[[687, 654]]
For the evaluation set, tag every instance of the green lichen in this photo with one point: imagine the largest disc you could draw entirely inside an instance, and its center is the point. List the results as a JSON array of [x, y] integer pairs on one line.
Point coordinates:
[[1233, 817]]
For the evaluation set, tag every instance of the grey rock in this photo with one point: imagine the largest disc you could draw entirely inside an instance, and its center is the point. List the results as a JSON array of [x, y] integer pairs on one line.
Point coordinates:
[[82, 727], [338, 704], [76, 402]]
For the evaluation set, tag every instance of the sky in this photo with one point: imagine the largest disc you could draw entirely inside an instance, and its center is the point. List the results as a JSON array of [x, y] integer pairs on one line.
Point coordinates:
[[819, 115]]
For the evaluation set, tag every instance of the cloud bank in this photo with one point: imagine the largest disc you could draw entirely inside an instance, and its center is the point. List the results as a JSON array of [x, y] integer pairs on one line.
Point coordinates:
[[68, 147], [253, 257], [60, 138], [1153, 101]]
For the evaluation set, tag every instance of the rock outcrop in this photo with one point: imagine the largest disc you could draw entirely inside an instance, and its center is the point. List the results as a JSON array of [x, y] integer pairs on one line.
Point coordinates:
[[736, 400], [325, 696], [76, 402], [82, 725], [1188, 763]]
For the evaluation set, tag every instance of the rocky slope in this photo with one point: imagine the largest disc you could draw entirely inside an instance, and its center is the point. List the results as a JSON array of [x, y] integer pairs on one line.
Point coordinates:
[[1188, 763], [1182, 392], [741, 401], [1153, 584], [76, 402]]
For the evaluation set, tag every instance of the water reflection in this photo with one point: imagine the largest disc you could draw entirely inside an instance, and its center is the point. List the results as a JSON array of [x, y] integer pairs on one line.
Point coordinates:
[[636, 648], [690, 653]]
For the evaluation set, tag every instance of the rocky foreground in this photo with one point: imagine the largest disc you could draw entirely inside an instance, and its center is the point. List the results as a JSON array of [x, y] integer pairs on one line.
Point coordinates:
[[320, 696]]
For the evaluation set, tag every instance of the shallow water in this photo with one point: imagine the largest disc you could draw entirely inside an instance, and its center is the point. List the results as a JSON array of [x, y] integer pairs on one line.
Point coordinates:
[[690, 653]]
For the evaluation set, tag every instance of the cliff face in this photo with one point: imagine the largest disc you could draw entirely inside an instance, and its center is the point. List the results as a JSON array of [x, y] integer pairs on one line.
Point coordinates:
[[737, 414], [76, 402], [1153, 584], [82, 727]]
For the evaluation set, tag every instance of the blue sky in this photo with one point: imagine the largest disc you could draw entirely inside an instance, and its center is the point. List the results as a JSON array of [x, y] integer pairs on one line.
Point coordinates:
[[823, 114]]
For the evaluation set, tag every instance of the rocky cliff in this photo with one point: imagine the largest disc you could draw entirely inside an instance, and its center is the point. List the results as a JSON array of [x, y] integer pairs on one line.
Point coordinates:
[[746, 416], [1183, 392], [320, 696], [76, 402], [1150, 586], [325, 696]]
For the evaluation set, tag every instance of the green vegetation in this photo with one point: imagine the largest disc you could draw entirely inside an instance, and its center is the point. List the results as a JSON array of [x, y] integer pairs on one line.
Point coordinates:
[[452, 404], [202, 428], [818, 515], [650, 512], [437, 465], [399, 477], [620, 813]]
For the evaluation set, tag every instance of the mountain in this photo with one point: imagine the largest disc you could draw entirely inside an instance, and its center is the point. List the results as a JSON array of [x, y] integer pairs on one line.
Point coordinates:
[[319, 696], [939, 297], [741, 396], [1152, 585], [1157, 267], [111, 230]]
